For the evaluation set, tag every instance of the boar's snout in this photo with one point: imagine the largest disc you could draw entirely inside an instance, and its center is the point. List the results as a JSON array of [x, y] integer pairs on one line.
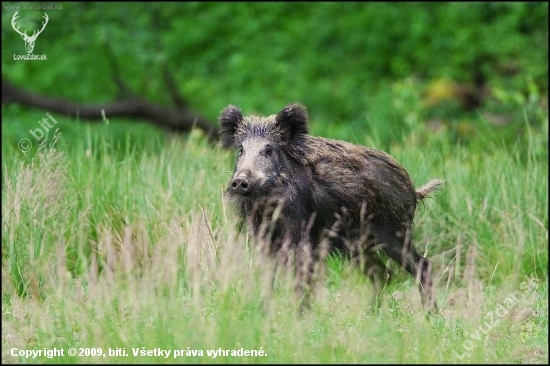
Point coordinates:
[[241, 183]]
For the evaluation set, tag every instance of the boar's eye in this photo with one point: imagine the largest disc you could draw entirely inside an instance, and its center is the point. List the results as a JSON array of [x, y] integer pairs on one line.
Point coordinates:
[[240, 150], [268, 150]]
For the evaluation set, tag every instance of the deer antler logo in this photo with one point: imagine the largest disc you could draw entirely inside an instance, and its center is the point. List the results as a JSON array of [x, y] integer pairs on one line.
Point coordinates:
[[29, 41]]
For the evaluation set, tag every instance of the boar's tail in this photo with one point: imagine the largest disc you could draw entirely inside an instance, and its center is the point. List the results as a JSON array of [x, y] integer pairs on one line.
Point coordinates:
[[426, 189]]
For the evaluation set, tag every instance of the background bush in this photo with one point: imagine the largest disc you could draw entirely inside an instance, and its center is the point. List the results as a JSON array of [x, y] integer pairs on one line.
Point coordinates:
[[343, 60]]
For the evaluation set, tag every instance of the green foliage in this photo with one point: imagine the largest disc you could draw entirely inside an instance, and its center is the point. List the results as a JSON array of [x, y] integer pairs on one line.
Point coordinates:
[[340, 59]]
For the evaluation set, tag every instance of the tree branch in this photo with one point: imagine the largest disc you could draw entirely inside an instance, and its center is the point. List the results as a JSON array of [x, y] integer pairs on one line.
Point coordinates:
[[179, 119]]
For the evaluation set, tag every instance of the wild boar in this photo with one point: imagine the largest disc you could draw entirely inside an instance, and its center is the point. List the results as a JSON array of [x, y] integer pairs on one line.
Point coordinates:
[[298, 191]]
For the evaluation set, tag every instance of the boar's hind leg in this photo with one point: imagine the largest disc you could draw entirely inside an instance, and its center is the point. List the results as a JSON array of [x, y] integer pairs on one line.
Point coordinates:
[[399, 246]]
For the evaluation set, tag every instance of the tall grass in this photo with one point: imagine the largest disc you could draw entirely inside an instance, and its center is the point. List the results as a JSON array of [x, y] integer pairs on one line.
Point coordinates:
[[125, 250]]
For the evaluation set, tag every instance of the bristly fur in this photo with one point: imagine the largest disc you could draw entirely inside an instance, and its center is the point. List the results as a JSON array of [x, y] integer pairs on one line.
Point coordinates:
[[289, 123], [230, 118], [352, 196], [293, 120], [432, 186], [255, 127]]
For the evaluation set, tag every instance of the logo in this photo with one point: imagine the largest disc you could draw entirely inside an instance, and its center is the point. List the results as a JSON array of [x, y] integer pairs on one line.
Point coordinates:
[[29, 41]]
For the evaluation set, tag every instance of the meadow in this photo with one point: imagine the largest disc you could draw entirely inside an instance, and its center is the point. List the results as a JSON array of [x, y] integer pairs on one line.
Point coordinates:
[[121, 248]]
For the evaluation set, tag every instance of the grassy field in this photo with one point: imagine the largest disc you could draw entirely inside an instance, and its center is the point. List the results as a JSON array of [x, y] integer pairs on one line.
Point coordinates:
[[120, 250]]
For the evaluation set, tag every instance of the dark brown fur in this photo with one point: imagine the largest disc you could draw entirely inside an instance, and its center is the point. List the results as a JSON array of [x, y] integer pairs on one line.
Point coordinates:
[[298, 191]]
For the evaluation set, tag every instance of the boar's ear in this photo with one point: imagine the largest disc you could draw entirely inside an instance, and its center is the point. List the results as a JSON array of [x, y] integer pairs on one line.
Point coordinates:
[[292, 120], [230, 118]]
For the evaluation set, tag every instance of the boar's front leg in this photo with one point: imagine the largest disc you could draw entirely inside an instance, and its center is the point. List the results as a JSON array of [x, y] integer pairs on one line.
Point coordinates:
[[308, 254], [379, 275]]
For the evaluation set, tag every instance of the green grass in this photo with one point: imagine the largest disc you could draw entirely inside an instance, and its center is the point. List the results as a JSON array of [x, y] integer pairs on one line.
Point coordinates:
[[123, 243]]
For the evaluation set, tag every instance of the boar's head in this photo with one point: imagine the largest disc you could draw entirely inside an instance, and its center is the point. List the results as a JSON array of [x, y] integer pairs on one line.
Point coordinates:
[[263, 167]]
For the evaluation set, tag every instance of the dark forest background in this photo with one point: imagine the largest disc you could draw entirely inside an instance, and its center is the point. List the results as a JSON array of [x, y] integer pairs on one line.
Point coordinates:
[[362, 69]]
